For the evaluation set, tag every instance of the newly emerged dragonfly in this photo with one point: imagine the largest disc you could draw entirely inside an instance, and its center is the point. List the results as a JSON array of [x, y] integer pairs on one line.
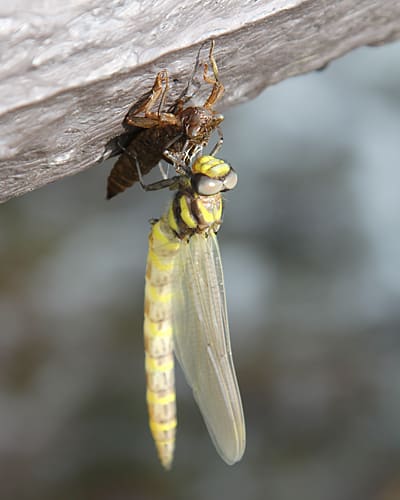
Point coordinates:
[[185, 311], [178, 129]]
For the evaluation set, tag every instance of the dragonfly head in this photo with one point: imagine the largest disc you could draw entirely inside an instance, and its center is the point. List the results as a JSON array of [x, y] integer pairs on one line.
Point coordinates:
[[199, 122], [212, 176]]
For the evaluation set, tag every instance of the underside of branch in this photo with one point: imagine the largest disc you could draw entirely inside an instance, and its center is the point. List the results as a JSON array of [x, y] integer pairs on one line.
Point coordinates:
[[69, 76]]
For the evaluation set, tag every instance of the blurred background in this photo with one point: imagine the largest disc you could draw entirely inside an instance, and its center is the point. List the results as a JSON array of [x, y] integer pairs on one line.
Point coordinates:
[[310, 245]]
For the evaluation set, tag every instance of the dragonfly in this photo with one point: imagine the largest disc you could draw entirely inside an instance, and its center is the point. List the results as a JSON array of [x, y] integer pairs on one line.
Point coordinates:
[[153, 132], [185, 311]]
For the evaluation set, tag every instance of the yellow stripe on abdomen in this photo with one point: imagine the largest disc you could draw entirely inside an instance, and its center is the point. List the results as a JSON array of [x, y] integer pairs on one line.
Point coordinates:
[[163, 247]]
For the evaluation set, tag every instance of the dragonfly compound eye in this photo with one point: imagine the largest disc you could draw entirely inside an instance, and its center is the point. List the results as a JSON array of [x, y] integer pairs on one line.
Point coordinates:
[[230, 180], [206, 186]]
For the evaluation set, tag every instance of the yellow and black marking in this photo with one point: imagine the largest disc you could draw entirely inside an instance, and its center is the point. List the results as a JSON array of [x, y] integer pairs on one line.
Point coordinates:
[[191, 212], [158, 343]]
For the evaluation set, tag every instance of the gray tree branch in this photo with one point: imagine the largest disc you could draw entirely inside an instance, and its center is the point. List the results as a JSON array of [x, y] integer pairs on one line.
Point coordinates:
[[69, 73]]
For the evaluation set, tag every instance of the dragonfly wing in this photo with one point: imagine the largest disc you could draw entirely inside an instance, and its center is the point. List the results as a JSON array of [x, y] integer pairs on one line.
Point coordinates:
[[202, 344]]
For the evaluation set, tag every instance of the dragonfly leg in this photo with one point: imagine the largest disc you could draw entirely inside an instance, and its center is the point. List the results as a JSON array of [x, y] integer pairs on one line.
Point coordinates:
[[218, 145], [162, 170], [147, 102], [184, 96], [218, 89]]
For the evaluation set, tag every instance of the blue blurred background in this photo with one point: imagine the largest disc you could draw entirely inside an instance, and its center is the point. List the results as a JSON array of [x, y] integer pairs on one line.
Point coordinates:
[[310, 245]]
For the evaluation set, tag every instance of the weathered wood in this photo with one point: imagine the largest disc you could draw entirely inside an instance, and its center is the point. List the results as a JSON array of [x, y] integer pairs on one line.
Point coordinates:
[[68, 76]]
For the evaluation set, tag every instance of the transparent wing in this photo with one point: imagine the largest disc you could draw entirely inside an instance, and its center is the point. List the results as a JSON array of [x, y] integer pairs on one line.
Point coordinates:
[[202, 345]]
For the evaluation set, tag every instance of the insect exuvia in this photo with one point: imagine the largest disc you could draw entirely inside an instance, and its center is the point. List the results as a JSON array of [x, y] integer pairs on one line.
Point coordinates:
[[185, 312], [151, 135]]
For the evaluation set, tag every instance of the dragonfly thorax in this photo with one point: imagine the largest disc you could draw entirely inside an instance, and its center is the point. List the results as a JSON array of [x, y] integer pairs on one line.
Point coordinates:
[[192, 213]]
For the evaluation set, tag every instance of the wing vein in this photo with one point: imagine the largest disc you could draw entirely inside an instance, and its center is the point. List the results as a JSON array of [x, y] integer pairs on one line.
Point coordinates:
[[202, 345]]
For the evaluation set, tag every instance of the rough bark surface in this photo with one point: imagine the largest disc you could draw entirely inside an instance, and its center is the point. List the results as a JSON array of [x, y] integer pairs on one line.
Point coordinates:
[[69, 73]]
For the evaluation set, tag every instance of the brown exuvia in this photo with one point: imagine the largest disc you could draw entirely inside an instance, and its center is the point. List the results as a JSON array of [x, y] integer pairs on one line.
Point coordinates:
[[154, 135]]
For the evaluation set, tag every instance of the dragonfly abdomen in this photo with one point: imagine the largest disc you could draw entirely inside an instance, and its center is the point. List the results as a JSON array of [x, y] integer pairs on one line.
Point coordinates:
[[158, 340]]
